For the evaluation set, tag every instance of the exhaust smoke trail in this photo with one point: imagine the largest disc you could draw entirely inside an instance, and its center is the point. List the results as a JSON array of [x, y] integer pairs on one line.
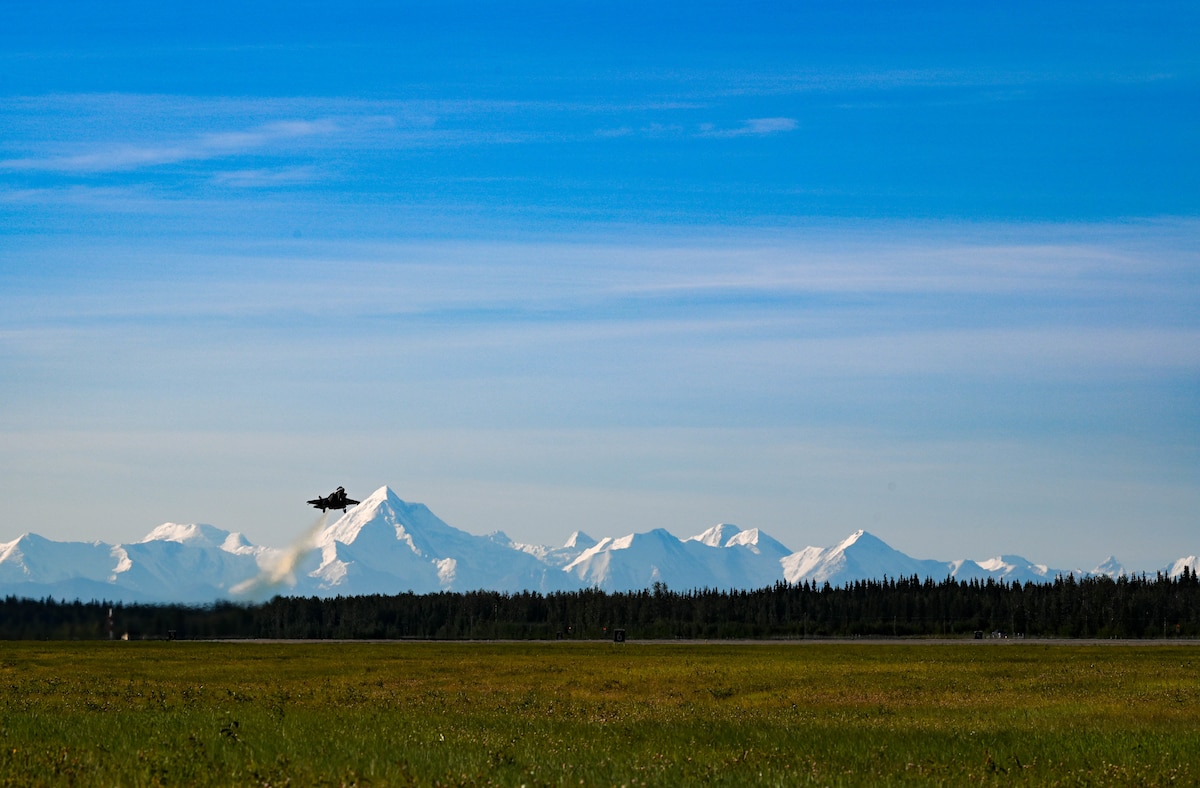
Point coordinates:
[[280, 571]]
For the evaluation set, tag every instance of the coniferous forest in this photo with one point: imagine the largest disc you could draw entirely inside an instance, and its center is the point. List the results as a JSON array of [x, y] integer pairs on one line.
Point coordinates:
[[1093, 607]]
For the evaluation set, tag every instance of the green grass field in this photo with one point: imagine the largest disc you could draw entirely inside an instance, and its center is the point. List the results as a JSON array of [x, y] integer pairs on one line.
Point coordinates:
[[187, 713]]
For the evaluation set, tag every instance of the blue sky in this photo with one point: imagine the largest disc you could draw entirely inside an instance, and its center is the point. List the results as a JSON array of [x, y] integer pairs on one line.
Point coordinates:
[[931, 271]]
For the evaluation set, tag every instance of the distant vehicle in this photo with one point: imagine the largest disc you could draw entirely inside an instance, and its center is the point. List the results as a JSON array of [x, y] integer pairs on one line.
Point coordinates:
[[335, 500]]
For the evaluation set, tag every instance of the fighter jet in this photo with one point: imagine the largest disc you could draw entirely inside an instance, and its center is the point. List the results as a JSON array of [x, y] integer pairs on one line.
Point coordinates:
[[335, 500]]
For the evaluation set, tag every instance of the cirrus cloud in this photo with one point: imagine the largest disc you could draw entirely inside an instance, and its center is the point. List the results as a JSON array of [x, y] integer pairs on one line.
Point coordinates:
[[756, 127], [115, 157]]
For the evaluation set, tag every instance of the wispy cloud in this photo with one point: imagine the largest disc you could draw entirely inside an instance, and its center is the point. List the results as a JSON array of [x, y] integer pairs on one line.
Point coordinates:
[[752, 127], [133, 156], [95, 134], [266, 178], [756, 127]]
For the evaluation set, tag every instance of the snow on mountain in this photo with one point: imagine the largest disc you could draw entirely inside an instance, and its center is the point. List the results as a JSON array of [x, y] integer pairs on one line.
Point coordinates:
[[578, 540], [186, 563], [368, 566], [722, 557], [1015, 569], [386, 545], [559, 556], [34, 559], [738, 558], [1110, 567], [716, 536], [863, 556], [201, 535], [1192, 563], [802, 564], [638, 561], [371, 549], [858, 557], [758, 543]]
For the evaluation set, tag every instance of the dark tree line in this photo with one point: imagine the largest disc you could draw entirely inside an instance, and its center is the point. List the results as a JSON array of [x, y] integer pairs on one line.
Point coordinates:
[[1128, 607]]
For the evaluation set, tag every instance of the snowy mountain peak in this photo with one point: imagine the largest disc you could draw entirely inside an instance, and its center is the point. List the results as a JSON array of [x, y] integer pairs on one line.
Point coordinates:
[[1111, 567], [854, 538], [386, 545], [1192, 563], [15, 545], [579, 541], [859, 556], [1014, 566], [383, 513], [384, 493], [199, 535], [629, 541], [729, 536], [862, 540], [717, 536], [758, 542], [618, 543], [661, 535]]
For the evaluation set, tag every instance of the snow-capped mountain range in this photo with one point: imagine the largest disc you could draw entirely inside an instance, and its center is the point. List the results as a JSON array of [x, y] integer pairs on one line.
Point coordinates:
[[386, 546]]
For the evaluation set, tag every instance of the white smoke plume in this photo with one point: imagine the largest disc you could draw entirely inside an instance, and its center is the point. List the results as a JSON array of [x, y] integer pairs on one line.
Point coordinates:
[[281, 571]]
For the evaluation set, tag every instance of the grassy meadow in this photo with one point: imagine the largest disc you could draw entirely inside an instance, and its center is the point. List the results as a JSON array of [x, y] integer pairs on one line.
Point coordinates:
[[195, 713]]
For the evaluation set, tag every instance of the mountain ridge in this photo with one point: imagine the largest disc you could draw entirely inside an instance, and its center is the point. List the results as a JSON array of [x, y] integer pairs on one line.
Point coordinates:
[[388, 545]]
